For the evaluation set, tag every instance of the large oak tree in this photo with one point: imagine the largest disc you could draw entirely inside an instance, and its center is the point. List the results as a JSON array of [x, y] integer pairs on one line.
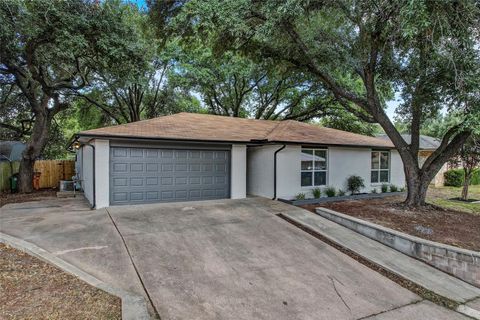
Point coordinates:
[[427, 51], [49, 51]]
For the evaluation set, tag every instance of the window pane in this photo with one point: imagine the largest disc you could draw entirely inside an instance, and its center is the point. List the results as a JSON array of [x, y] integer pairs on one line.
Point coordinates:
[[375, 160], [320, 160], [384, 160], [307, 159], [384, 176], [374, 177], [306, 179], [320, 178]]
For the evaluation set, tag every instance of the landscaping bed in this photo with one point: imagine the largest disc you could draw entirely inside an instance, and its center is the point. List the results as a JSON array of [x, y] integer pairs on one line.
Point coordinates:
[[33, 289], [7, 197], [446, 226], [301, 202]]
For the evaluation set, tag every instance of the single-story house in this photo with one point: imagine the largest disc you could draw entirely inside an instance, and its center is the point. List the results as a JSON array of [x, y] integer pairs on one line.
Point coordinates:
[[427, 145], [189, 156]]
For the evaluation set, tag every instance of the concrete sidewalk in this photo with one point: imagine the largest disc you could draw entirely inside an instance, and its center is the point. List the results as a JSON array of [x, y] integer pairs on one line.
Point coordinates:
[[402, 265]]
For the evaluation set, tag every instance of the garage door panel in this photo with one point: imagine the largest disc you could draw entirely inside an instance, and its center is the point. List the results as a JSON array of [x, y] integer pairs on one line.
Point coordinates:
[[142, 175], [152, 195]]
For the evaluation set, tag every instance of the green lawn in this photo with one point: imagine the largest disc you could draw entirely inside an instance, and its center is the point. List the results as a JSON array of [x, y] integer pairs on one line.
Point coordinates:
[[440, 197]]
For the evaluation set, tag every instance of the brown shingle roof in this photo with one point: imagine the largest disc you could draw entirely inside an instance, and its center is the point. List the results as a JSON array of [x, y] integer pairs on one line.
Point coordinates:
[[203, 127]]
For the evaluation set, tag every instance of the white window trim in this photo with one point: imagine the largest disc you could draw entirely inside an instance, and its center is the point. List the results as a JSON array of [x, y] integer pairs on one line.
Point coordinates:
[[313, 169], [379, 183]]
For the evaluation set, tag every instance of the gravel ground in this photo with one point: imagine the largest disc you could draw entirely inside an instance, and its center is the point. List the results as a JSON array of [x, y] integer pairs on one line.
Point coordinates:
[[33, 289]]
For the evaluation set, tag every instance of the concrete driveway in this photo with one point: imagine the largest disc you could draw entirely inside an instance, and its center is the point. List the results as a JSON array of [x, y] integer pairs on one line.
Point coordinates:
[[231, 259]]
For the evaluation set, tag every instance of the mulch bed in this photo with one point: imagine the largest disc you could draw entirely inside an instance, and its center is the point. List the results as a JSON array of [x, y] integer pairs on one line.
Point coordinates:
[[7, 197], [455, 228], [33, 289], [467, 201]]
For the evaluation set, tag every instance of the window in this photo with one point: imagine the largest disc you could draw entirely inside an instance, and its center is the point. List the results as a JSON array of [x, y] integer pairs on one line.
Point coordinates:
[[380, 166], [314, 167]]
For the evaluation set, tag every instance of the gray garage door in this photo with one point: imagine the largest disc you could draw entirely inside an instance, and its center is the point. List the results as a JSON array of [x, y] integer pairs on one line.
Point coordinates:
[[141, 175]]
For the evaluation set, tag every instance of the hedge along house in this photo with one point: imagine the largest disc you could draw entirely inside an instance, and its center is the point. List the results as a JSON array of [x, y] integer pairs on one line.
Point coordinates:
[[187, 156]]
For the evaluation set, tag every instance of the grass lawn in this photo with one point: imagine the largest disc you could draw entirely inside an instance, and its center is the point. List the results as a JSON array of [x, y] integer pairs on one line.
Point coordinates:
[[442, 197]]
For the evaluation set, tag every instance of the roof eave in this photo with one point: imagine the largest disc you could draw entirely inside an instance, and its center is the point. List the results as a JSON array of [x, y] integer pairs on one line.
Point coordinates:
[[252, 141]]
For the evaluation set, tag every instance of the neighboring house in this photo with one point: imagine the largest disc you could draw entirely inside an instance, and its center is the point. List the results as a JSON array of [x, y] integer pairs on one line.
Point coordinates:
[[427, 146], [197, 157], [11, 150]]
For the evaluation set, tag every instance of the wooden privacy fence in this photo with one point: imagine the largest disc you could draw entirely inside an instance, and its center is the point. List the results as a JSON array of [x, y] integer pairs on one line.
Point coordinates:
[[52, 171], [5, 173]]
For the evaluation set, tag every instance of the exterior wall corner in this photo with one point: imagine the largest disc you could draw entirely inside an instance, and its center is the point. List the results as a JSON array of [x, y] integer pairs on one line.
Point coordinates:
[[102, 174], [238, 172]]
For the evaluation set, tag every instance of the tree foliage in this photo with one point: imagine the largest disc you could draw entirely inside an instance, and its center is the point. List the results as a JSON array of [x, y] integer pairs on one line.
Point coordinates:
[[139, 89], [427, 51], [49, 51], [234, 85]]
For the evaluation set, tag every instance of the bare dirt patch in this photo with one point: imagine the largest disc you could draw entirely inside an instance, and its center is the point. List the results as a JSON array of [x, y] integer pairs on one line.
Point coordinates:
[[7, 197], [33, 289], [451, 227]]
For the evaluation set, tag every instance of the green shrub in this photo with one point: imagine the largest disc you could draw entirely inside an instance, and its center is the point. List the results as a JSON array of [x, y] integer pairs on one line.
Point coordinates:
[[384, 188], [341, 193], [403, 189], [374, 190], [317, 193], [454, 177], [330, 191], [300, 196], [355, 184], [475, 178], [393, 188]]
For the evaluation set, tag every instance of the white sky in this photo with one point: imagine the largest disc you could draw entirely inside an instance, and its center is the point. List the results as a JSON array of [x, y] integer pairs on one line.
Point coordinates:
[[391, 106]]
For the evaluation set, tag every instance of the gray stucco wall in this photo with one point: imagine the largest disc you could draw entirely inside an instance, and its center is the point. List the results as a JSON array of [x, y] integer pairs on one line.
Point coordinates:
[[342, 162]]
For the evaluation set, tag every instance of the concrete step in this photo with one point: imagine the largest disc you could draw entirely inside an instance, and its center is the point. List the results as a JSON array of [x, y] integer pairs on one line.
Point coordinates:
[[396, 262]]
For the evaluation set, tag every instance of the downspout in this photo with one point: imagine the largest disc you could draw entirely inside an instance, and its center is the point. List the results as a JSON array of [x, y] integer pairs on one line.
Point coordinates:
[[93, 170], [275, 171]]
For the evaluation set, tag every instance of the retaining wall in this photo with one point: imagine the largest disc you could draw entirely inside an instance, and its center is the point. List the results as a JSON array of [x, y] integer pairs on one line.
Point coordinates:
[[461, 263]]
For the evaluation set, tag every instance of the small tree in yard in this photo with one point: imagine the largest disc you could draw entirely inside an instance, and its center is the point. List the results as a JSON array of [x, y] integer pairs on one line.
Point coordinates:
[[50, 50], [355, 184], [469, 159]]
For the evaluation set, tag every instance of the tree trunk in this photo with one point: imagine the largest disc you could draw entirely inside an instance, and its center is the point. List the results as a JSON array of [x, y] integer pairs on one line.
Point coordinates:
[[35, 145], [417, 187], [466, 183], [418, 181], [25, 175]]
